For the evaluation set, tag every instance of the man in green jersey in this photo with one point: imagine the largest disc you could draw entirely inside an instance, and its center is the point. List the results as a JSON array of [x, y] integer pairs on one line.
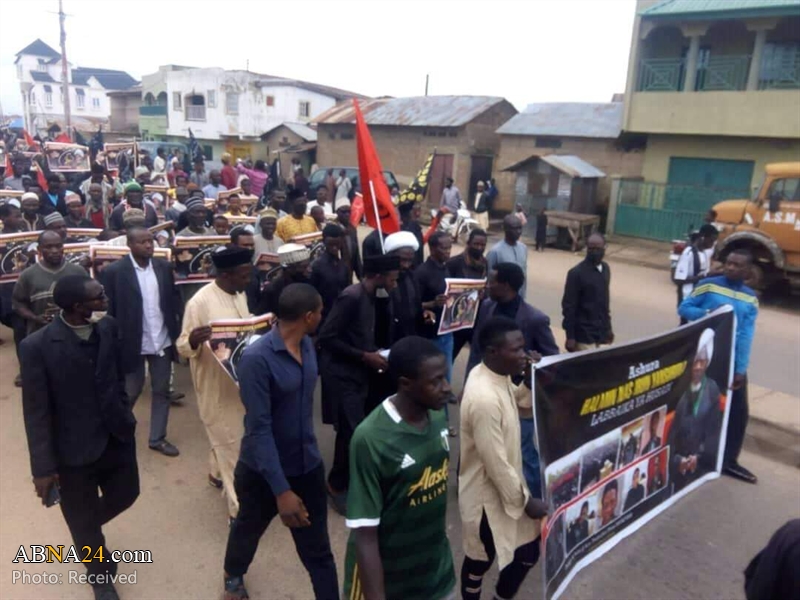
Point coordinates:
[[397, 499]]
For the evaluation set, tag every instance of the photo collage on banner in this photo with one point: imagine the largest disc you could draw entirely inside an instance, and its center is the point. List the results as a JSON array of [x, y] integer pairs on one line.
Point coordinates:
[[624, 432]]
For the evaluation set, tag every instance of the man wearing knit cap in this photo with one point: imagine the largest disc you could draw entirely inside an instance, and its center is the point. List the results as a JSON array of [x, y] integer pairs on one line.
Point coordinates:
[[132, 219], [348, 357], [75, 212], [218, 400], [142, 175], [405, 300], [134, 198], [295, 268], [55, 222], [329, 273], [267, 242], [351, 253], [196, 213]]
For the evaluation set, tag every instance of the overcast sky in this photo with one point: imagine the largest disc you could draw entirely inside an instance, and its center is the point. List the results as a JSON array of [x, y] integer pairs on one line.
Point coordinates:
[[525, 50]]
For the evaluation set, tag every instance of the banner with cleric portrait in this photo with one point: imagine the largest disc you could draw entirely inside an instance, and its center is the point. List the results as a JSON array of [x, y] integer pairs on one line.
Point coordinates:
[[193, 263], [624, 432], [17, 253], [66, 158], [230, 337]]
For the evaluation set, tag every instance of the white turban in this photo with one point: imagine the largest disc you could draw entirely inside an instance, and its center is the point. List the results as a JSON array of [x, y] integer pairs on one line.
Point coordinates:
[[401, 239], [706, 345], [291, 254]]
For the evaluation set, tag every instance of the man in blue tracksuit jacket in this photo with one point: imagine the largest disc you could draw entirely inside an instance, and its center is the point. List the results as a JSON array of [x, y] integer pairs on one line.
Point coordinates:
[[709, 295]]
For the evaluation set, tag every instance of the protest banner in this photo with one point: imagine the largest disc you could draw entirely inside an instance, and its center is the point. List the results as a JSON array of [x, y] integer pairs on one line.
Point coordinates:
[[161, 190], [17, 253], [82, 234], [193, 262], [66, 158], [230, 337], [8, 194], [626, 431], [118, 156], [103, 255], [312, 241], [268, 261], [210, 203], [461, 307], [241, 220]]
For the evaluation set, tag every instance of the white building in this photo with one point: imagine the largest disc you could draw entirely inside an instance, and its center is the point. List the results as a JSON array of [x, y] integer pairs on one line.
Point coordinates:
[[228, 110], [39, 76]]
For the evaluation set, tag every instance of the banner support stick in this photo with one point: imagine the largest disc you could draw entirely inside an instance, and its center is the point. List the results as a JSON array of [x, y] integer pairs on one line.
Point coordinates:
[[377, 216]]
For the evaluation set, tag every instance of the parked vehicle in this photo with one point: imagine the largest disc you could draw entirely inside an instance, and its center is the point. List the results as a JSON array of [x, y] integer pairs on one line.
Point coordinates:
[[768, 226], [318, 178], [460, 225]]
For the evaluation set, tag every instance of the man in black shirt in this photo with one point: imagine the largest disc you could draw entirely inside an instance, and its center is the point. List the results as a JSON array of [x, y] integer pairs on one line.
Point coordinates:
[[470, 264], [295, 268], [330, 275], [348, 357], [405, 302], [585, 305], [351, 254], [372, 245]]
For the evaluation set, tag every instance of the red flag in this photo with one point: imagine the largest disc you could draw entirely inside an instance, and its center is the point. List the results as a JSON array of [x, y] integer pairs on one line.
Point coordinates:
[[371, 172], [29, 140], [357, 209], [63, 138], [42, 180], [9, 171]]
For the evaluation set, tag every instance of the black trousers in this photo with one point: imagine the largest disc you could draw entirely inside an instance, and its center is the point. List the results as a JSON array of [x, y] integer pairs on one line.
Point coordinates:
[[737, 423], [351, 410], [258, 506], [116, 474], [511, 577]]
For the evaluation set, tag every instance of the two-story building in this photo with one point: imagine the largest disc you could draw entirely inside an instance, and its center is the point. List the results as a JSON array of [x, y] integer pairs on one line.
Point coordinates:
[[714, 86], [227, 111], [39, 74]]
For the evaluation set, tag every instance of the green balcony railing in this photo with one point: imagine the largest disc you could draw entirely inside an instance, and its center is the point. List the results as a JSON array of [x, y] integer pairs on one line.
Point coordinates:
[[153, 111], [723, 73], [780, 69], [661, 74]]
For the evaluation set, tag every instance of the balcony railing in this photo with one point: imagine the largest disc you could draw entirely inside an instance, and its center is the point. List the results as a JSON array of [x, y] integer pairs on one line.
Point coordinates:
[[723, 73], [661, 74], [153, 111], [195, 113], [780, 71]]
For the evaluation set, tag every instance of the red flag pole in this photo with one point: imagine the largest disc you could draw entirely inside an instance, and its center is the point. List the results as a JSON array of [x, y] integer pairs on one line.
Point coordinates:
[[375, 207]]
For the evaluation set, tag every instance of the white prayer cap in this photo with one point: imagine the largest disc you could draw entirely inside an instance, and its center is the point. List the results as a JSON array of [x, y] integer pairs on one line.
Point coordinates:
[[14, 202], [291, 254], [29, 196], [342, 202], [705, 348], [401, 239]]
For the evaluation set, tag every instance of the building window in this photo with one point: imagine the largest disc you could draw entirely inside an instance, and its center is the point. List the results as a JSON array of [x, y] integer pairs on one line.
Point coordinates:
[[96, 103], [80, 96], [231, 103], [304, 109], [208, 152], [48, 98], [331, 136], [548, 142], [176, 101], [41, 66], [19, 70], [33, 98], [195, 108], [347, 136], [270, 100], [212, 98]]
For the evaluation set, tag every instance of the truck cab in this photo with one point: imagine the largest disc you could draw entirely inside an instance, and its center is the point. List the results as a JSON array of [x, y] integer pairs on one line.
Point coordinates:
[[768, 226]]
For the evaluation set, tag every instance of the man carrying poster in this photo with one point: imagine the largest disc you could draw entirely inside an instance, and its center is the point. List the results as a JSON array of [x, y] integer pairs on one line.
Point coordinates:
[[193, 257], [498, 514], [729, 290], [461, 305]]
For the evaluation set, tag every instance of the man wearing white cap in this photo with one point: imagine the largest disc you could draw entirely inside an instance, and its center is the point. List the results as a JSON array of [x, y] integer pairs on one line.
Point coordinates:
[[694, 435], [267, 242], [295, 268], [31, 219], [75, 212], [405, 300]]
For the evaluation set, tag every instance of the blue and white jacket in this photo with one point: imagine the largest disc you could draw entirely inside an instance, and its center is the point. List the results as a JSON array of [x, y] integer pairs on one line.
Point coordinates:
[[714, 292]]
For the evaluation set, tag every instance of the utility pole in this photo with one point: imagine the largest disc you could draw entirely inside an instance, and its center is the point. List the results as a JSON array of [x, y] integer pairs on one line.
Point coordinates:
[[427, 77], [64, 67]]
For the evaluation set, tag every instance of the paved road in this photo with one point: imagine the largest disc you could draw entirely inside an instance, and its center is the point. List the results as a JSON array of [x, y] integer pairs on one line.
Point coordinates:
[[698, 548]]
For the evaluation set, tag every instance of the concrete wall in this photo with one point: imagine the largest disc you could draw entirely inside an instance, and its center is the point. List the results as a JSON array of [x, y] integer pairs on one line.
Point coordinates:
[[600, 152], [125, 112], [283, 137], [767, 113], [661, 147]]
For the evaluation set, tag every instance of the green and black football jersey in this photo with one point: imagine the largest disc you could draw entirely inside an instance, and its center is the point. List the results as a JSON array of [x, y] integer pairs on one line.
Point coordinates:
[[398, 483]]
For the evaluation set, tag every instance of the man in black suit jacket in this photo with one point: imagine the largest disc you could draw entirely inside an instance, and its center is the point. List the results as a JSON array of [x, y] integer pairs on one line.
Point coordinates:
[[141, 295], [78, 419]]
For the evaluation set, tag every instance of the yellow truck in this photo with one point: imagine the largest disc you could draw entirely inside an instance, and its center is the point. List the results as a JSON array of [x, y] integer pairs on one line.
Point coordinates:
[[768, 226]]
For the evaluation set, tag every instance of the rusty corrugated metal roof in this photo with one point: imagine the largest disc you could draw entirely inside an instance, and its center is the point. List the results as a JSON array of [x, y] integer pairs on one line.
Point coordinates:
[[572, 165], [568, 119], [418, 111]]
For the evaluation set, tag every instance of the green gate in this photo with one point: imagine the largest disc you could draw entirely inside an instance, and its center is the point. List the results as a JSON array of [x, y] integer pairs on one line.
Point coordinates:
[[664, 212]]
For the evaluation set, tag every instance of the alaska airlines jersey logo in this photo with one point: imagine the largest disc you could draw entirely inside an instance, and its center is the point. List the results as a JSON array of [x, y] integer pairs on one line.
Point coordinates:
[[431, 484]]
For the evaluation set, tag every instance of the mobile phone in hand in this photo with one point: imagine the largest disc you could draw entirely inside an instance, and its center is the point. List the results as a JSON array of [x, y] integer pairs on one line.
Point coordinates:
[[53, 496]]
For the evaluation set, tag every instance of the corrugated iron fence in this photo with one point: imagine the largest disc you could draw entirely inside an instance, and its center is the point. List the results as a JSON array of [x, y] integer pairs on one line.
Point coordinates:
[[661, 211]]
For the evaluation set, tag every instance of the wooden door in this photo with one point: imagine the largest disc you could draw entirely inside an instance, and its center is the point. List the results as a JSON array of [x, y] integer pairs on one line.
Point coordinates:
[[480, 170], [441, 169]]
